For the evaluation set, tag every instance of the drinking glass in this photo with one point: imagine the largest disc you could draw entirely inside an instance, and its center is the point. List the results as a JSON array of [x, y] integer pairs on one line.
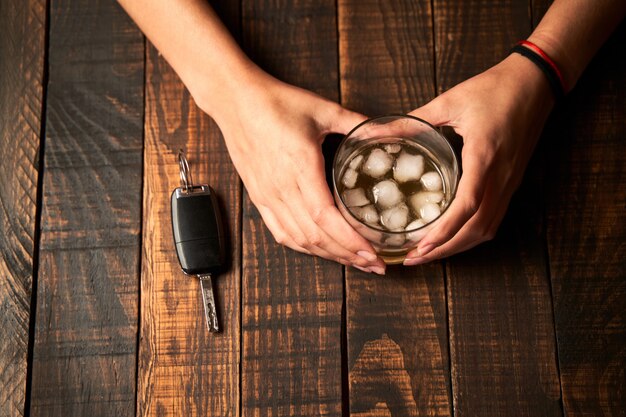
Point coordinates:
[[392, 246]]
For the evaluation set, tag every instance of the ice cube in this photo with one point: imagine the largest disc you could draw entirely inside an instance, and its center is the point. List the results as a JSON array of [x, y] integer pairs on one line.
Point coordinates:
[[393, 147], [378, 163], [356, 162], [415, 224], [408, 167], [417, 200], [386, 194], [355, 198], [395, 217], [349, 178], [368, 214], [417, 234], [429, 212], [395, 240], [432, 181]]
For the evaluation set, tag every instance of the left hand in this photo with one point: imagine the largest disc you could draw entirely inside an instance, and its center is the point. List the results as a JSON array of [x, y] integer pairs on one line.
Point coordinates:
[[500, 114], [274, 132]]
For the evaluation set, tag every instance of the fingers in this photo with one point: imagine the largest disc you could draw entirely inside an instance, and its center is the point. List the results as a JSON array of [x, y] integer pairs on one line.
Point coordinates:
[[301, 214], [283, 236], [434, 112], [342, 120], [480, 228], [296, 230], [460, 243], [278, 231], [339, 236], [316, 238], [466, 203], [472, 234]]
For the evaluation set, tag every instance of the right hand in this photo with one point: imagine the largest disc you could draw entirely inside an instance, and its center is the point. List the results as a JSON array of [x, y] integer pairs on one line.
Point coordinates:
[[273, 132], [500, 114]]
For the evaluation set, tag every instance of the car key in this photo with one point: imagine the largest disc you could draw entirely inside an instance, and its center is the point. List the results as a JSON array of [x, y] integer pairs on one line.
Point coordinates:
[[198, 236]]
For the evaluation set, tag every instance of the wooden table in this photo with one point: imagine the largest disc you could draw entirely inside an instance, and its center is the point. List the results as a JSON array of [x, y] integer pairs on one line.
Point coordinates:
[[96, 318]]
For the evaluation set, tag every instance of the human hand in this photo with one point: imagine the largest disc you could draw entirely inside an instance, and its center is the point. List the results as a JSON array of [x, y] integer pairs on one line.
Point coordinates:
[[500, 114], [274, 133]]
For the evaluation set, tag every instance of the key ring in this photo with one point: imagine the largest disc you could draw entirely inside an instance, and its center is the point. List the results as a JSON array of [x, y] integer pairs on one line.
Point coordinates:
[[185, 172]]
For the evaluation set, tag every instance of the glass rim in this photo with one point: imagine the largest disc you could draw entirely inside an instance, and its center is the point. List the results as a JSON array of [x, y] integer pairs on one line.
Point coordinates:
[[399, 116]]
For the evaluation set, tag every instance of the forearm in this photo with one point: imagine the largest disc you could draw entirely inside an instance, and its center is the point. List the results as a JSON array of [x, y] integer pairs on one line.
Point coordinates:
[[573, 30], [198, 46]]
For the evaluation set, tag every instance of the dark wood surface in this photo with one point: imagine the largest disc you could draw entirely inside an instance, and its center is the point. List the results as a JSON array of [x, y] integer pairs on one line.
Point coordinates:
[[586, 229], [85, 330], [494, 355], [396, 326], [22, 49], [181, 371], [291, 305], [91, 118]]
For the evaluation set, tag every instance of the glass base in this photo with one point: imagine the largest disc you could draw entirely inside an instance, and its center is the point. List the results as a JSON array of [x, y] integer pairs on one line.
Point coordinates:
[[392, 258]]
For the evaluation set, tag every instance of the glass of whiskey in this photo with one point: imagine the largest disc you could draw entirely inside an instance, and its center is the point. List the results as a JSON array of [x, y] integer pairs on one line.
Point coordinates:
[[393, 178]]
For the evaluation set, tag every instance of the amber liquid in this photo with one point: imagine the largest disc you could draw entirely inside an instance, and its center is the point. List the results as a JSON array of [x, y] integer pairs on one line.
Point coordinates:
[[393, 259], [392, 254], [366, 182]]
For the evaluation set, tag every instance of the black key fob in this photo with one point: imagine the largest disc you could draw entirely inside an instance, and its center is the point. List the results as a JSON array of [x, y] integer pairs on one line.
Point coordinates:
[[198, 232]]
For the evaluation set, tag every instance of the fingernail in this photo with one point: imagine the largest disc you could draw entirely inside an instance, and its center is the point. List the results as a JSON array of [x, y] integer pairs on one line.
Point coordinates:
[[378, 270], [426, 249], [413, 261], [369, 271], [367, 255]]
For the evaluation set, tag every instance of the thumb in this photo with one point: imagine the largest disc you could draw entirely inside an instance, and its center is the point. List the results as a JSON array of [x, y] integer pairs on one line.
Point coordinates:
[[434, 112], [345, 120]]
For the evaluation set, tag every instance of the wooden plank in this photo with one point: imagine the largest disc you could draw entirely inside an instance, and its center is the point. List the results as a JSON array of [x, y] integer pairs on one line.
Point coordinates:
[[586, 229], [184, 370], [22, 48], [386, 52], [86, 322], [538, 9], [291, 323], [502, 344], [396, 325], [397, 343]]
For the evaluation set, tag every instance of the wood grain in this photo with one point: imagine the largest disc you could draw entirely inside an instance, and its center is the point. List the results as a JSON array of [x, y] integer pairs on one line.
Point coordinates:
[[183, 369], [86, 325], [291, 323], [386, 55], [396, 325], [397, 343], [22, 47], [500, 312], [472, 36], [586, 221]]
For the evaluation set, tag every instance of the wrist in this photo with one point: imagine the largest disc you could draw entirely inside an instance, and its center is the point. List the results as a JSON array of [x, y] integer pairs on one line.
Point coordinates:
[[526, 84], [566, 64], [219, 91]]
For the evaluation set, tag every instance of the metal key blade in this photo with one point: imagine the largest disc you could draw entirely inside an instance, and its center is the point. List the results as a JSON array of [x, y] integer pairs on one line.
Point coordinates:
[[210, 311]]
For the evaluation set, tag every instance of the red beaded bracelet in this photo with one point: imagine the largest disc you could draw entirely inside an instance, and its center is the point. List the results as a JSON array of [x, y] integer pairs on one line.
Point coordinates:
[[545, 63]]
